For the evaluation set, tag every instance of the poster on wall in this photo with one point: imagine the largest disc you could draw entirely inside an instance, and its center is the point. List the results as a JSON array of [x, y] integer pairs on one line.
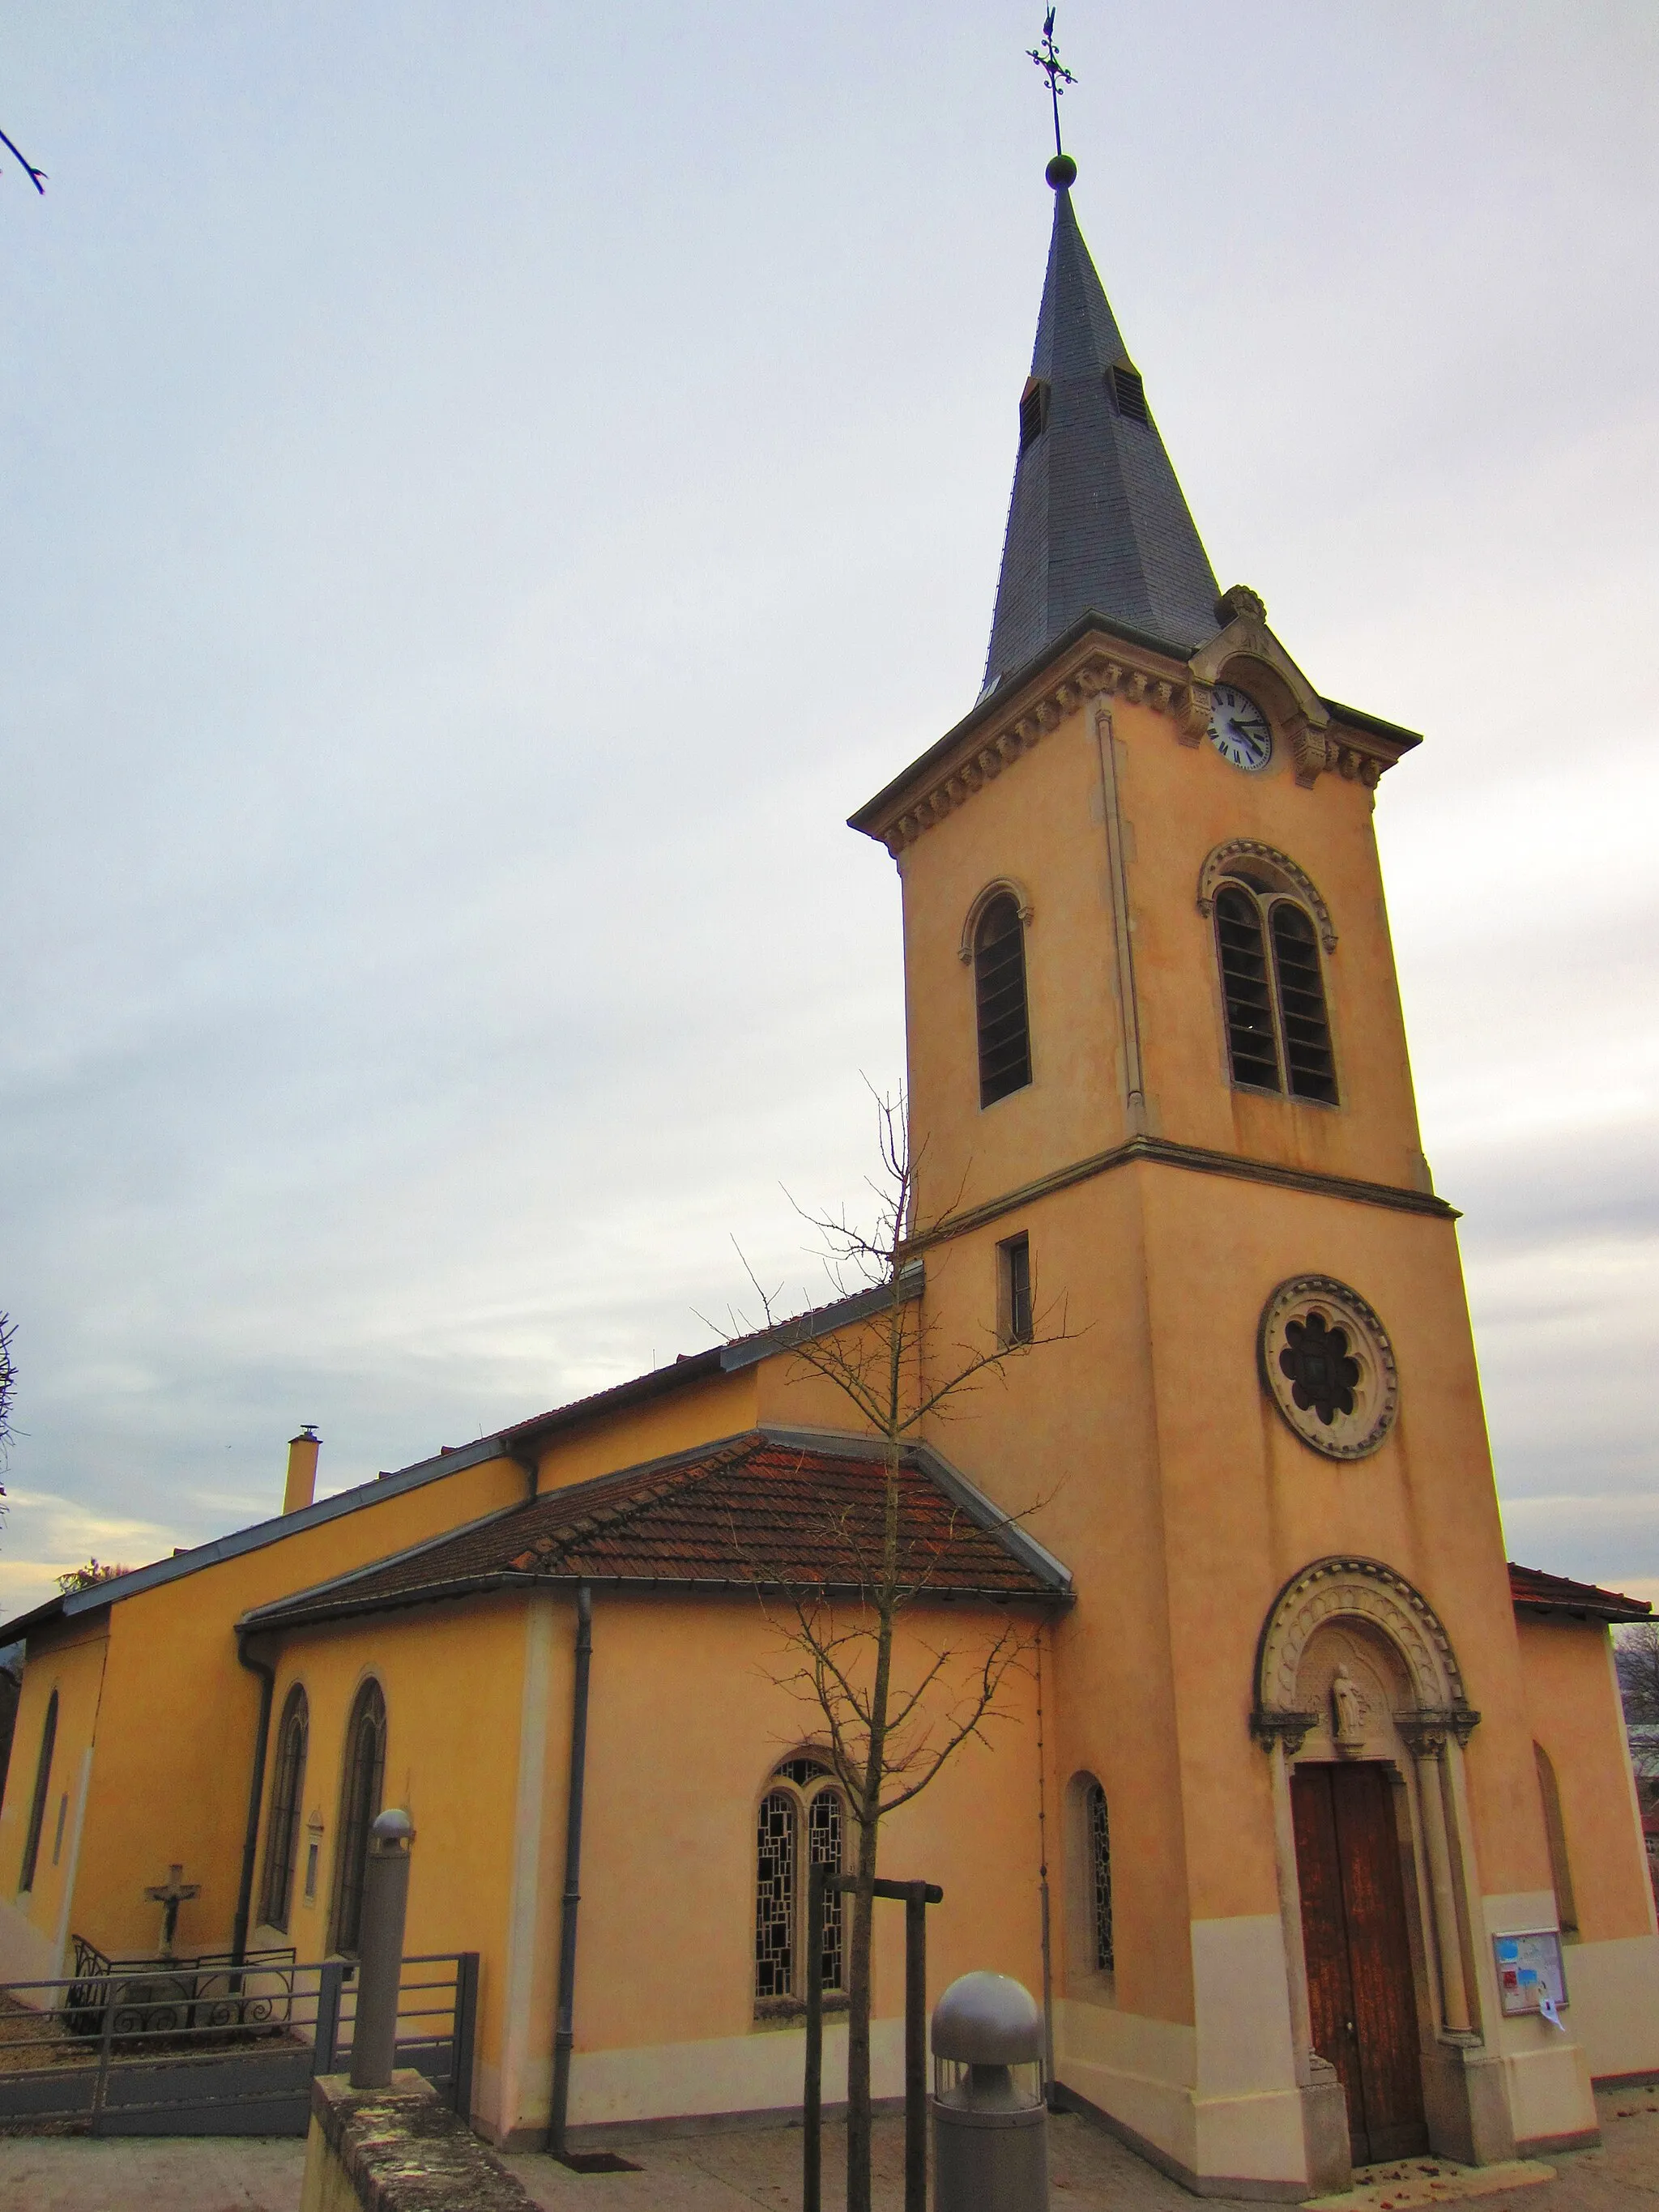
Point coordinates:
[[1530, 1975]]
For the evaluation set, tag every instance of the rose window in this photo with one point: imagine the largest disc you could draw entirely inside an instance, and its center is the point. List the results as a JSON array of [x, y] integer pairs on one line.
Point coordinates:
[[1315, 1360], [1329, 1366]]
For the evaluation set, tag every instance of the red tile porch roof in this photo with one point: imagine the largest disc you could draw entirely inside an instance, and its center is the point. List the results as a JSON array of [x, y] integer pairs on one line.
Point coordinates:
[[1537, 1596], [766, 1510]]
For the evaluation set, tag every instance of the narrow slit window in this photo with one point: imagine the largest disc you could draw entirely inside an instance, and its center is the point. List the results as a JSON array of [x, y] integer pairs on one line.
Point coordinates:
[[38, 1804], [1247, 988], [1014, 1290], [1100, 1870], [1004, 1041], [360, 1801], [1566, 1906], [1308, 1067], [281, 1839]]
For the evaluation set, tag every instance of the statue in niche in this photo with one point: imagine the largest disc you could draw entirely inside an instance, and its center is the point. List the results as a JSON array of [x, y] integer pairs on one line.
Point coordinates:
[[1348, 1710]]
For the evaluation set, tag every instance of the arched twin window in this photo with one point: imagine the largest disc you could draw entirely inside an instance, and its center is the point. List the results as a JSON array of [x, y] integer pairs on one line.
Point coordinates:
[[360, 1801], [1279, 1035], [37, 1802], [803, 1822], [1004, 1035], [283, 1836]]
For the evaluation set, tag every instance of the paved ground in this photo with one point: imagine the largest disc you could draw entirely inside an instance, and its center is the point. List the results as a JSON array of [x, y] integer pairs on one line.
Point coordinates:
[[1091, 2172]]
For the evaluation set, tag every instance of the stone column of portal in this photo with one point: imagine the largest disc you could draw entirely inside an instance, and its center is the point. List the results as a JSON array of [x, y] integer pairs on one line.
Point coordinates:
[[1289, 1909], [1429, 1747]]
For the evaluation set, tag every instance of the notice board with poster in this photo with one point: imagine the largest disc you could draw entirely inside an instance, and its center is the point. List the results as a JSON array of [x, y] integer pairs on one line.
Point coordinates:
[[1530, 1975]]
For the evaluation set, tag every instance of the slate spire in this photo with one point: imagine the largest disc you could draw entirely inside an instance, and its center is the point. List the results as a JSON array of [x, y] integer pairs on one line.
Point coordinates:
[[1097, 522]]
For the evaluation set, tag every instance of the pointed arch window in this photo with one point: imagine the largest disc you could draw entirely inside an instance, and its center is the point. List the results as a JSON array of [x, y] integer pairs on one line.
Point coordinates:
[[360, 1801], [1005, 1036], [283, 1836], [37, 1802], [1273, 987], [802, 1822]]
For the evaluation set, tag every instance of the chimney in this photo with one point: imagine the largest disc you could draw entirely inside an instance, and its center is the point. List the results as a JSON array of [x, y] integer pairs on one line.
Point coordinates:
[[302, 1468]]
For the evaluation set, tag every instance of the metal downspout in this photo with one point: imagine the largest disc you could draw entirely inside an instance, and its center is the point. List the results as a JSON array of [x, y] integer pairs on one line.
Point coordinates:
[[564, 2032], [256, 1792]]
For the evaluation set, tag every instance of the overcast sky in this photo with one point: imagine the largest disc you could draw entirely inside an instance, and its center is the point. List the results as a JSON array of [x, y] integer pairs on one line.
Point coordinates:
[[486, 491]]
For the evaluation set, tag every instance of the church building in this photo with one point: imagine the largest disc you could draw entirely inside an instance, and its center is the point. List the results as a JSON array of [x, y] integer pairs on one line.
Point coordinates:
[[1332, 1804]]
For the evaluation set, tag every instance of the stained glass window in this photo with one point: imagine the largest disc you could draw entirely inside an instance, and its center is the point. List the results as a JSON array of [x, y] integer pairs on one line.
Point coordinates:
[[360, 1801], [802, 1823], [774, 1896], [825, 1827], [283, 1835], [1100, 1870]]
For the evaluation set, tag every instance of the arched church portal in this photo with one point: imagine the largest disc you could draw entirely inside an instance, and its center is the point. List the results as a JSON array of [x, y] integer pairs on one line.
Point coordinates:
[[1360, 1705]]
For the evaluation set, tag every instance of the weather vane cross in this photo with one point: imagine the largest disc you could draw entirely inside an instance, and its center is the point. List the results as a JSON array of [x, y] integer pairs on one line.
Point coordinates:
[[1047, 57]]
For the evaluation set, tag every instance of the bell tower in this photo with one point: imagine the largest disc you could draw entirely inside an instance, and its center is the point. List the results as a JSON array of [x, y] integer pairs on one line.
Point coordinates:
[[1159, 1085]]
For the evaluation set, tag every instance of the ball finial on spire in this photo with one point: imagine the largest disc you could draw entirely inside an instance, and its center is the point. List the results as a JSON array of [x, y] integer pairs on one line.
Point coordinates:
[[1061, 173]]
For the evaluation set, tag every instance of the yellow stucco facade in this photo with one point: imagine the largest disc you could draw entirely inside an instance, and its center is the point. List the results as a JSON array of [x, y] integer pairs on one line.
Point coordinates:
[[1281, 1645]]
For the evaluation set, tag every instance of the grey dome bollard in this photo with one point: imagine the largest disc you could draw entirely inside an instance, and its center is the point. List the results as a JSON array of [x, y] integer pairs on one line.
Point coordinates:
[[380, 1949], [990, 2123]]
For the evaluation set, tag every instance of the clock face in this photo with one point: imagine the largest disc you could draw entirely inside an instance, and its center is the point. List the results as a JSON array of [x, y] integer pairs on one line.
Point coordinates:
[[1239, 730]]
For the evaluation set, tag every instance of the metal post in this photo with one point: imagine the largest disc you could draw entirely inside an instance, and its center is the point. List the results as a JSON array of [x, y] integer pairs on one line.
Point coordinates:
[[100, 2087], [915, 2049], [381, 1959], [812, 2097], [325, 2043], [462, 2032]]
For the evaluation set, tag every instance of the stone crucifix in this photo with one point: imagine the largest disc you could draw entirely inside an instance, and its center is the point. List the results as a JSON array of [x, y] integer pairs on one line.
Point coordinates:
[[170, 1895]]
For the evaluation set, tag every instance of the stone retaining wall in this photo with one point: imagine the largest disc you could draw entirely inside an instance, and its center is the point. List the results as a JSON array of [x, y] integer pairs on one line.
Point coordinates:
[[398, 2150]]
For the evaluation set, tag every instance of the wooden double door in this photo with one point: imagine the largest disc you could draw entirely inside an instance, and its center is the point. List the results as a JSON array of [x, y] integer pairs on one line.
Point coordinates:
[[1361, 1991]]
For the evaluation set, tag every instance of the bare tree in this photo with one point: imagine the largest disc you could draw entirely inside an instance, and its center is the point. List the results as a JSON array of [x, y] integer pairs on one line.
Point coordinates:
[[891, 1716], [1636, 1652], [36, 177]]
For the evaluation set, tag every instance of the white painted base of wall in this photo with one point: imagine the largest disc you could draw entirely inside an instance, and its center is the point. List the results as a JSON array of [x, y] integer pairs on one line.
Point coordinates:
[[1141, 2075], [25, 1953], [1613, 2004], [723, 2078]]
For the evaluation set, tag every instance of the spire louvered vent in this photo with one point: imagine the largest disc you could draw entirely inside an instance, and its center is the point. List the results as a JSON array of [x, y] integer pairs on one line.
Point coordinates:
[[1128, 392], [1033, 413]]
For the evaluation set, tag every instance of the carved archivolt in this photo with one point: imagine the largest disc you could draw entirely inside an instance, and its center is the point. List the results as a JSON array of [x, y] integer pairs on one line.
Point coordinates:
[[1365, 1590], [1244, 856], [1001, 886]]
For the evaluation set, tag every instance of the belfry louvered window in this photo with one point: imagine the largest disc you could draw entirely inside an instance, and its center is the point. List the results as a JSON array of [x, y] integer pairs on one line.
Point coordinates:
[[1005, 1037], [1129, 392], [1279, 1034], [282, 1837], [802, 1823]]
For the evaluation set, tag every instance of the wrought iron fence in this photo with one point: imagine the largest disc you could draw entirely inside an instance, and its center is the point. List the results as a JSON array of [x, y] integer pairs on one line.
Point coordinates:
[[214, 2046]]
